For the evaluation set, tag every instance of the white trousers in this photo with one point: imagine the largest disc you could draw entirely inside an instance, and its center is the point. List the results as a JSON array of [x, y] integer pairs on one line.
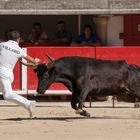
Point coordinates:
[[6, 79]]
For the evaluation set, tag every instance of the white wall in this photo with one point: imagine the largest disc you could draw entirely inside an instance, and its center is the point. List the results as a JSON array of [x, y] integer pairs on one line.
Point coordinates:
[[114, 28], [101, 28]]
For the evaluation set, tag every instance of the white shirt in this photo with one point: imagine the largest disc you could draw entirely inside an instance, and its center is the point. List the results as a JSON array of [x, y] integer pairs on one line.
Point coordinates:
[[10, 52]]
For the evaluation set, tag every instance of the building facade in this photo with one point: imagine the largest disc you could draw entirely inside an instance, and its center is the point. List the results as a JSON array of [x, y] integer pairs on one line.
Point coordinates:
[[110, 17]]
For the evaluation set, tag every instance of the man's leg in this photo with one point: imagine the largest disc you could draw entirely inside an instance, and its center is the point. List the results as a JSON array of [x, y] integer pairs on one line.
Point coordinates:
[[12, 97]]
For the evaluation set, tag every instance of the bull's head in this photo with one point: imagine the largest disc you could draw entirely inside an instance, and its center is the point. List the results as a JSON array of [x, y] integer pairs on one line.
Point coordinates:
[[45, 75]]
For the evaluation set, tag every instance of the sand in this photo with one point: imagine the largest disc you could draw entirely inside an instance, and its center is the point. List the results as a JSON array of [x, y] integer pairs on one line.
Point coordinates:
[[58, 121]]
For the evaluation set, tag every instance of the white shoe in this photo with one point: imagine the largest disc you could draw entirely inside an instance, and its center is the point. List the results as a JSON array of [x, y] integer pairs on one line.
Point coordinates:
[[30, 109]]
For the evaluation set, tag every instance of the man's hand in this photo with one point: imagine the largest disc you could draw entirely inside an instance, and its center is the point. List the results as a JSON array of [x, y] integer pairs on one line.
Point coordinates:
[[37, 60], [32, 60]]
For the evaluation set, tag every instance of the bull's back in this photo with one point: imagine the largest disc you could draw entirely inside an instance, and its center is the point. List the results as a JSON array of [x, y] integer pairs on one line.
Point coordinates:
[[83, 66], [77, 61]]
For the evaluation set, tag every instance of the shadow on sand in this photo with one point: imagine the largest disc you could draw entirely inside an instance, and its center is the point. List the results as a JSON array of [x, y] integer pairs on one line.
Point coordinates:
[[86, 106], [109, 107], [68, 119]]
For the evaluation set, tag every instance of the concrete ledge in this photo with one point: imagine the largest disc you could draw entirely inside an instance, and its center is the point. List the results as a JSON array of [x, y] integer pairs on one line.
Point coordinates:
[[64, 7], [70, 12]]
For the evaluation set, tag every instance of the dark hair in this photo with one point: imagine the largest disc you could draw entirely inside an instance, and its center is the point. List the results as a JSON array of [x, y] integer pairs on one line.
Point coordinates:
[[88, 26], [7, 32], [37, 24], [61, 22], [13, 35]]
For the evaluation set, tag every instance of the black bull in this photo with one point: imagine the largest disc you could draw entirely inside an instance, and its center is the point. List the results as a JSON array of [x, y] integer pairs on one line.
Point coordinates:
[[83, 76]]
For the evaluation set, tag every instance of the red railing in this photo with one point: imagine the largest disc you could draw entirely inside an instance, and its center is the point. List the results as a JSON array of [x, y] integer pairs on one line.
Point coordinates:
[[130, 54]]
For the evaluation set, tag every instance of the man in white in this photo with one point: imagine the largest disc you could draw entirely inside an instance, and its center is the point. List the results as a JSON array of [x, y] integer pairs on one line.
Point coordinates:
[[10, 52]]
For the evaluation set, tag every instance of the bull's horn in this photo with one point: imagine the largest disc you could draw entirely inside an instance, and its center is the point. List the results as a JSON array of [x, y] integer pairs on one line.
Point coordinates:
[[28, 64], [50, 58]]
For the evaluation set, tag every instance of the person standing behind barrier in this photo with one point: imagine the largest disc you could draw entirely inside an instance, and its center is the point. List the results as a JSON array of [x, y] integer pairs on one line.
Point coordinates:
[[62, 35], [37, 36], [10, 52], [88, 37]]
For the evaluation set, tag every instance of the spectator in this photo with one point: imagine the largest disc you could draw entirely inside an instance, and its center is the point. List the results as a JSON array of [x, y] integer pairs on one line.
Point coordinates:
[[37, 36], [88, 37], [62, 34]]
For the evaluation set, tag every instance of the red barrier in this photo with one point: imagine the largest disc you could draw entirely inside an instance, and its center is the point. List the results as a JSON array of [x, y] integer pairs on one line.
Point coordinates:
[[55, 52], [130, 54]]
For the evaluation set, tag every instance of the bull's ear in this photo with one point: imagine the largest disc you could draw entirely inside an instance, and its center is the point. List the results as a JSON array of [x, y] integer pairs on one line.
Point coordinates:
[[50, 64]]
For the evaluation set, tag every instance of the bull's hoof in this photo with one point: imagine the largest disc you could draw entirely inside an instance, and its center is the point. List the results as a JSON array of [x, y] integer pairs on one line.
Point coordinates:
[[84, 106], [85, 113], [82, 112], [137, 105], [79, 111]]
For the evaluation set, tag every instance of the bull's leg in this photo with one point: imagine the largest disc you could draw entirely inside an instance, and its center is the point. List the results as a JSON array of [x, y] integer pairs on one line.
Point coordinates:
[[137, 103], [74, 101], [82, 98], [136, 93]]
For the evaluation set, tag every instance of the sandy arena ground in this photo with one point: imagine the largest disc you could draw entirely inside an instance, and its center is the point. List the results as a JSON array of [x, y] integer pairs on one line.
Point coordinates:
[[57, 121]]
